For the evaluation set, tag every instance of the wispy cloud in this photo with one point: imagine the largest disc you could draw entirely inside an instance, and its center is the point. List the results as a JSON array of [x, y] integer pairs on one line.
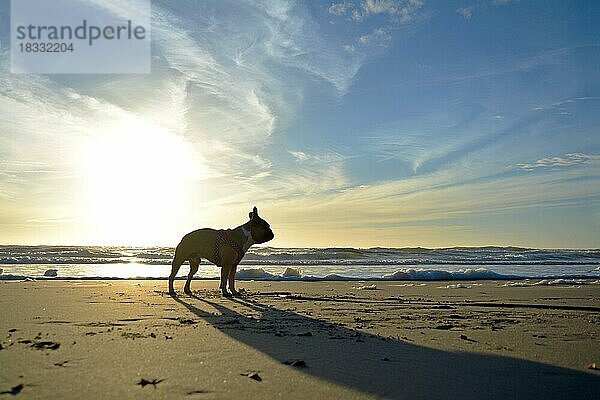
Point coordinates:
[[568, 160], [349, 48], [378, 36], [399, 10], [391, 13], [326, 158], [466, 12], [219, 93], [338, 9], [429, 200]]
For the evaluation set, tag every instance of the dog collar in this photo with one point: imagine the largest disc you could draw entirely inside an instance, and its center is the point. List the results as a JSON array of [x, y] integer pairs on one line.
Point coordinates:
[[249, 240]]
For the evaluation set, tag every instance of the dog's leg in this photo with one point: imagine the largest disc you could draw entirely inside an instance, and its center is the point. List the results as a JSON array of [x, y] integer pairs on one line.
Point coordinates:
[[224, 275], [177, 261], [194, 265], [232, 272]]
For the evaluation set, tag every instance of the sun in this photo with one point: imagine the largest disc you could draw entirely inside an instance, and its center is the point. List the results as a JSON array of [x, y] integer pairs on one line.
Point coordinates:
[[138, 177]]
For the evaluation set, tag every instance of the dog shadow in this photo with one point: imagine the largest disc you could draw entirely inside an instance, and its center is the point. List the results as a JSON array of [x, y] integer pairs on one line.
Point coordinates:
[[386, 367]]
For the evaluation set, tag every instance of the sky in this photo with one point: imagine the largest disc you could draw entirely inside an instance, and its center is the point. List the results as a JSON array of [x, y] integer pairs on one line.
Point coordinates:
[[361, 123]]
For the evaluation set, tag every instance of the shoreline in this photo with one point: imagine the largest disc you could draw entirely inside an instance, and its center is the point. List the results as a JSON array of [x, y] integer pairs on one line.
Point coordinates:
[[396, 339], [558, 279]]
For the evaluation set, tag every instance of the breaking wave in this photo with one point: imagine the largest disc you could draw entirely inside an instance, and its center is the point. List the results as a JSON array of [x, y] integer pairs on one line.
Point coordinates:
[[342, 264]]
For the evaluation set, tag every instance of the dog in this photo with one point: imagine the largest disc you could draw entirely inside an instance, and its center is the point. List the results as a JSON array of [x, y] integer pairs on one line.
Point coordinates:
[[224, 248]]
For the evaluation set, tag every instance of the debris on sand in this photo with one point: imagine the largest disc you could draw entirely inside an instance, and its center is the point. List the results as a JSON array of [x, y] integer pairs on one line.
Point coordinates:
[[593, 366], [15, 390], [61, 364], [465, 337], [295, 363], [143, 382], [198, 392], [51, 272], [46, 345], [253, 375], [186, 321]]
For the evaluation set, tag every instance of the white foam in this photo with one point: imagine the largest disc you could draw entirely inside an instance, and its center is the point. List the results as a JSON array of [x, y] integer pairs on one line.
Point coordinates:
[[254, 273], [455, 286], [409, 284], [292, 273], [548, 282], [367, 287]]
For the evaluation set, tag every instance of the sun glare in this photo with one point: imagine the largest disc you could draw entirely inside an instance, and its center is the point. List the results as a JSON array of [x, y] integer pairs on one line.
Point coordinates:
[[138, 177]]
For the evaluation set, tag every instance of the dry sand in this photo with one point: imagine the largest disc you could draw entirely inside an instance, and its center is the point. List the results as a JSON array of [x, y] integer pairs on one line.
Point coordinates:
[[112, 339]]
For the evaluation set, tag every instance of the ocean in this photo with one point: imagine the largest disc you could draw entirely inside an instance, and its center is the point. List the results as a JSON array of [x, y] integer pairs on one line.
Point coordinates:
[[310, 264]]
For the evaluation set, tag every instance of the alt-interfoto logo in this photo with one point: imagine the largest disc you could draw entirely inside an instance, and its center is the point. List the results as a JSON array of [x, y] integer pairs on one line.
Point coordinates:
[[80, 36]]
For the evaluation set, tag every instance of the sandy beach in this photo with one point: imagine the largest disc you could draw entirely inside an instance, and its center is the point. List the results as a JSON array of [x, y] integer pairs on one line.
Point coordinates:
[[299, 340]]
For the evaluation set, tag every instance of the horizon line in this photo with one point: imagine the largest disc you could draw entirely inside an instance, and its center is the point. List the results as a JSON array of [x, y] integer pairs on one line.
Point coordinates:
[[326, 247]]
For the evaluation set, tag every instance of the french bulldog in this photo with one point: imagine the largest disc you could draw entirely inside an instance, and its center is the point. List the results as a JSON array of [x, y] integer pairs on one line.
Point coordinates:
[[224, 248]]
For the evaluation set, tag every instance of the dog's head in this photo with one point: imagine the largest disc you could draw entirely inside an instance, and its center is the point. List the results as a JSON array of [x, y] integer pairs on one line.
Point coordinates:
[[259, 228]]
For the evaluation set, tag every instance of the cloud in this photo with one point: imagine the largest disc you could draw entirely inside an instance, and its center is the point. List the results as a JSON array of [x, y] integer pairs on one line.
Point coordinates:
[[466, 12], [321, 158], [223, 80], [387, 15], [402, 10], [450, 198], [379, 36], [337, 9], [398, 11], [568, 160], [299, 155]]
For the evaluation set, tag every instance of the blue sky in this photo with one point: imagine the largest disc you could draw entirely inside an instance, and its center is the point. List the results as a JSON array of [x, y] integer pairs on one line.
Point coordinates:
[[362, 123]]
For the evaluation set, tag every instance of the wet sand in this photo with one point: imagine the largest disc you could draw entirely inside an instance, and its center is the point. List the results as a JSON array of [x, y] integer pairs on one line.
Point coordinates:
[[299, 340]]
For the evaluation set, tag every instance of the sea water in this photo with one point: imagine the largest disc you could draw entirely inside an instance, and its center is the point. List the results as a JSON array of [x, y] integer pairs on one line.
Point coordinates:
[[268, 263]]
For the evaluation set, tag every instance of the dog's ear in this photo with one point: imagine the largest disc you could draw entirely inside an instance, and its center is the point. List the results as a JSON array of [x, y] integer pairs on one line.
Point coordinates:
[[253, 214]]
